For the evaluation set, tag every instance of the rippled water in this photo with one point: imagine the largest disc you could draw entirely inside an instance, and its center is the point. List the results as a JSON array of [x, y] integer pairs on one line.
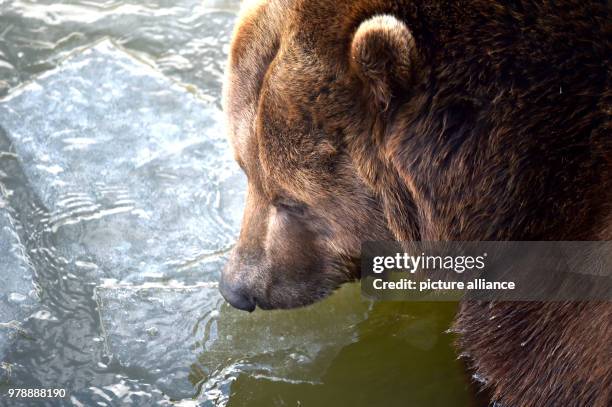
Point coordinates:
[[119, 201]]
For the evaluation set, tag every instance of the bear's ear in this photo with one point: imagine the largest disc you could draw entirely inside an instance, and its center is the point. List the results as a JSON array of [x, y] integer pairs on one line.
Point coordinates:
[[383, 55]]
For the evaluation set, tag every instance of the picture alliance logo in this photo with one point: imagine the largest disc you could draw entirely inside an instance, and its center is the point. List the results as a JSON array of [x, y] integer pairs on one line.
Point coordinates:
[[411, 263]]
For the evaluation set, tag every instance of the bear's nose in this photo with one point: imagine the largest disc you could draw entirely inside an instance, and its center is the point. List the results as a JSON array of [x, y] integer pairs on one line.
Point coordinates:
[[237, 295]]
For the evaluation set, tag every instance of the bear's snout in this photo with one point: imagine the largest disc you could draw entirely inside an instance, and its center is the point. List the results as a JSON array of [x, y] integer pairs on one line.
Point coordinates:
[[237, 294]]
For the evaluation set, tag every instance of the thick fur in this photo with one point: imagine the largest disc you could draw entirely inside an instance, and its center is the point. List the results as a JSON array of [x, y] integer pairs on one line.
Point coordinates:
[[434, 120]]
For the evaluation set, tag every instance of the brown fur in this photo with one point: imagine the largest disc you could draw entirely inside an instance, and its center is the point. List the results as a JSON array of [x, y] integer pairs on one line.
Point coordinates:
[[475, 120]]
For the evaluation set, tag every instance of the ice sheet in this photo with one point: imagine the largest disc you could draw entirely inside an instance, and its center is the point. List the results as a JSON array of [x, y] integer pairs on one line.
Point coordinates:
[[134, 183], [185, 337], [134, 170]]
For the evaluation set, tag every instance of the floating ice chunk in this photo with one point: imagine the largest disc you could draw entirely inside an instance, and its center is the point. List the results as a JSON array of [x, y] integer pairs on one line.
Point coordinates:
[[17, 295], [134, 170], [150, 330], [183, 337]]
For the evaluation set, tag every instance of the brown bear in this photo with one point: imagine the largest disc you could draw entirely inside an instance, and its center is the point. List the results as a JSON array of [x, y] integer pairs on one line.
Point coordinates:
[[359, 120]]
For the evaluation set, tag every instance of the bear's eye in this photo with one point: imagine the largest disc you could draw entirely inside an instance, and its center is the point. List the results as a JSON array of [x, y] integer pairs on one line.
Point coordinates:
[[290, 206]]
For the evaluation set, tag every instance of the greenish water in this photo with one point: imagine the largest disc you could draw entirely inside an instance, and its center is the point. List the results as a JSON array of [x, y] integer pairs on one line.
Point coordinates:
[[117, 210], [402, 358]]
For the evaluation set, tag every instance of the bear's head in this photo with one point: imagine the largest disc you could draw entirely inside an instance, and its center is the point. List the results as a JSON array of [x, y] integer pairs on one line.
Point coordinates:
[[294, 96]]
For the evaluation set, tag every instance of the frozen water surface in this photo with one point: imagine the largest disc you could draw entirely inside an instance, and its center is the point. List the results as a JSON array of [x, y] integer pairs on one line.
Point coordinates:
[[135, 171]]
